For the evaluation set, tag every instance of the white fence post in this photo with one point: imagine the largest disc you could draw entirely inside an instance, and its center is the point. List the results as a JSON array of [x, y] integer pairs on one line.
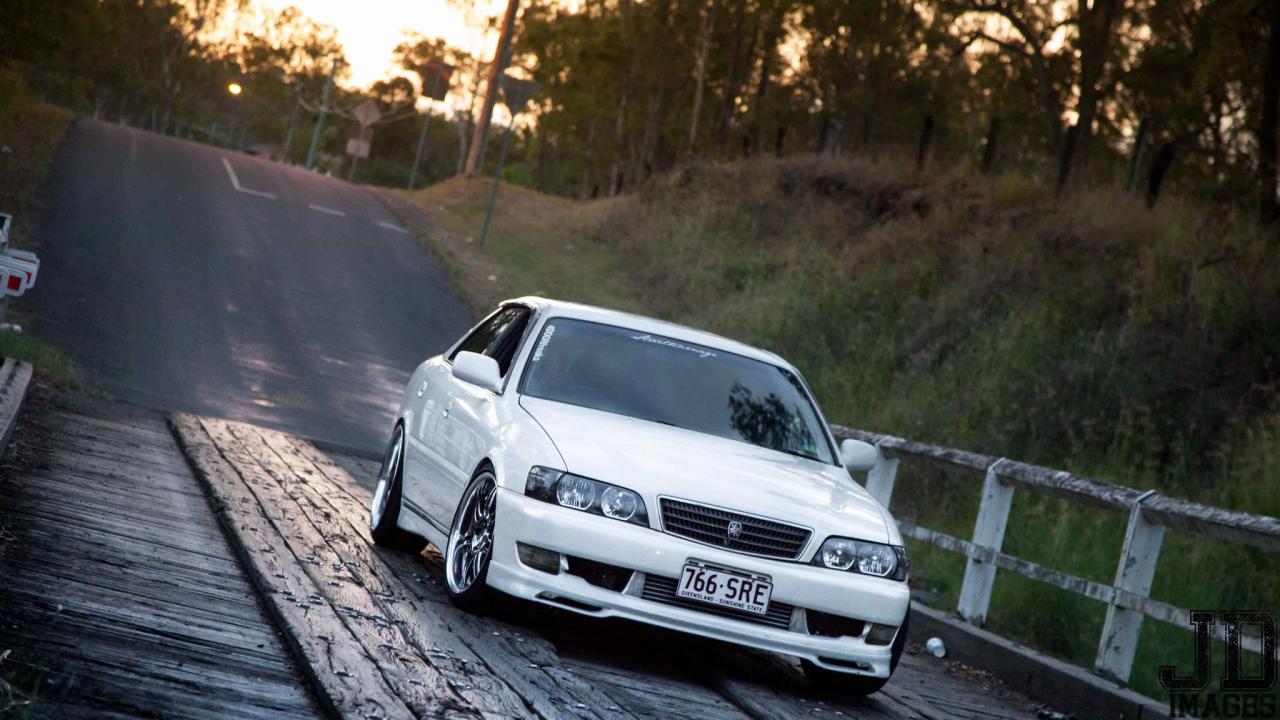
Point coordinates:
[[1137, 567], [881, 478], [988, 532]]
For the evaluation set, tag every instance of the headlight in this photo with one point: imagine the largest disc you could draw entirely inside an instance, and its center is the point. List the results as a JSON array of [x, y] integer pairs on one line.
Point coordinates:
[[860, 556], [579, 493]]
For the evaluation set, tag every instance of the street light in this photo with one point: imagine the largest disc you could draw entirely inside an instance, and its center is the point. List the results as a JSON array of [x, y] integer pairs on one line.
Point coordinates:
[[235, 89]]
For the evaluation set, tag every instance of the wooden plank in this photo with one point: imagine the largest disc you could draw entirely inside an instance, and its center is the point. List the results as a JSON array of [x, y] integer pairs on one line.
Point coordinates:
[[122, 611], [352, 578], [15, 376], [531, 679], [343, 675]]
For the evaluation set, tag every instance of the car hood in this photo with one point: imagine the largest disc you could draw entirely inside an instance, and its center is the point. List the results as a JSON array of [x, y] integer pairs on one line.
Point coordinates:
[[655, 459]]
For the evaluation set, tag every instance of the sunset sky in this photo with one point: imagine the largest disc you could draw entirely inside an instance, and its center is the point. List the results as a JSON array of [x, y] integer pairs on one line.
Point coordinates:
[[370, 29]]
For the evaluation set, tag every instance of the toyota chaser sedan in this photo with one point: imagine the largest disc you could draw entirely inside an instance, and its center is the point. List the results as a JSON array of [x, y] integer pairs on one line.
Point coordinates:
[[618, 466]]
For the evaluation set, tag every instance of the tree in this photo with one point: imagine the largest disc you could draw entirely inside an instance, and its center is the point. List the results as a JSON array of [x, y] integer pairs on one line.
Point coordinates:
[[501, 57]]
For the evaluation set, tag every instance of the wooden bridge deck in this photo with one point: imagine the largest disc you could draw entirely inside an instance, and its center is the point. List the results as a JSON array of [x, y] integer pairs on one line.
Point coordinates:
[[122, 597], [381, 639], [119, 594]]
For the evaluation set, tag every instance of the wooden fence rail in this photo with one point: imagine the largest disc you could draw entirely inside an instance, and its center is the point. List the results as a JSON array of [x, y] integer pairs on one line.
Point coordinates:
[[1127, 598]]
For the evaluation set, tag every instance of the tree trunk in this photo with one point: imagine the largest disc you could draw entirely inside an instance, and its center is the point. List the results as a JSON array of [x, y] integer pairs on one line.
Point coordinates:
[[769, 49], [732, 83], [1095, 40], [501, 56], [1267, 141], [619, 144], [587, 168], [708, 24]]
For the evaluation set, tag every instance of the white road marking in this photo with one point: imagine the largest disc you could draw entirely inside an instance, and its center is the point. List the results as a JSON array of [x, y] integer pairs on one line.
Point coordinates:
[[390, 226], [323, 209], [235, 183]]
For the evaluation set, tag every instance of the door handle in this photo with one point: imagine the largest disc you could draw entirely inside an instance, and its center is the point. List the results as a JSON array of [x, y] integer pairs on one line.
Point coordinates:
[[423, 388], [447, 408]]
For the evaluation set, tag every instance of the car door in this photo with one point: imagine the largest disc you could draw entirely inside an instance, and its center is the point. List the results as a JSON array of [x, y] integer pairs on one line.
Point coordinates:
[[430, 399], [426, 403], [468, 425]]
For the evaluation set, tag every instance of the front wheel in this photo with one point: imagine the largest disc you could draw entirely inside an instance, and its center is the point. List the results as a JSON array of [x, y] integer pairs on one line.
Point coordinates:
[[385, 508], [466, 561], [848, 684]]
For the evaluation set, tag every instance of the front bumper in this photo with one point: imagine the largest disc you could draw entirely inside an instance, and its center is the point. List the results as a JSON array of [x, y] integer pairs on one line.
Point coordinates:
[[650, 552]]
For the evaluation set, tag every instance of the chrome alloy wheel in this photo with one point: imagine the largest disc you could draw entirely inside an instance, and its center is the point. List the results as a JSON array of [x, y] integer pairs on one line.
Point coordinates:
[[471, 540], [387, 475]]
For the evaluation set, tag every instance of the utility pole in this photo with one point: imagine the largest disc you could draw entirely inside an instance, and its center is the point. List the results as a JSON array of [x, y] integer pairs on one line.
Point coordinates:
[[516, 94], [497, 177], [435, 86], [288, 134], [501, 56], [324, 108], [422, 141]]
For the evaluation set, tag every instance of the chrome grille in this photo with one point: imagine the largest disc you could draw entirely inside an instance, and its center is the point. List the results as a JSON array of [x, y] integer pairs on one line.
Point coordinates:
[[663, 590], [711, 526]]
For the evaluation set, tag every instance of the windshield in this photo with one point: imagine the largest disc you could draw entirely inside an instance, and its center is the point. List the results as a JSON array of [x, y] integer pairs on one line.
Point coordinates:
[[677, 383]]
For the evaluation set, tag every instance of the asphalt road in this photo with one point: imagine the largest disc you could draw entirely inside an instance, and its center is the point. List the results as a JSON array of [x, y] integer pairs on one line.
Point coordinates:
[[185, 277]]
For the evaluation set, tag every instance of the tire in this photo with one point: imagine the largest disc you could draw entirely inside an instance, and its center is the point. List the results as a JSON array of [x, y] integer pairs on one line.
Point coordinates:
[[470, 549], [850, 685], [385, 508]]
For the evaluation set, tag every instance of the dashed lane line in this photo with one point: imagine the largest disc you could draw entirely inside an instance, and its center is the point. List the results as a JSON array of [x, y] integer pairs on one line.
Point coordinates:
[[235, 183], [392, 226], [329, 210]]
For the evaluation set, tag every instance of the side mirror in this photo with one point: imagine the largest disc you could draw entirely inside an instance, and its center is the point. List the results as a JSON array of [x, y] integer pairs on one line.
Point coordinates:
[[858, 456], [477, 369]]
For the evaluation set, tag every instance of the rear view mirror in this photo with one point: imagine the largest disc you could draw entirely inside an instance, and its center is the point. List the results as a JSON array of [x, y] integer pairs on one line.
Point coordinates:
[[858, 456], [477, 369]]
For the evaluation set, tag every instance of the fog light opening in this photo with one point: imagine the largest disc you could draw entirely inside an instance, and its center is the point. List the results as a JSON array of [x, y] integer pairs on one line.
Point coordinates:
[[846, 664], [881, 634], [548, 561]]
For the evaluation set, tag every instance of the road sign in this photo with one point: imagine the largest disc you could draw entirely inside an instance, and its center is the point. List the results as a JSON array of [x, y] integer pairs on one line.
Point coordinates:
[[367, 113], [517, 93], [435, 79], [360, 141]]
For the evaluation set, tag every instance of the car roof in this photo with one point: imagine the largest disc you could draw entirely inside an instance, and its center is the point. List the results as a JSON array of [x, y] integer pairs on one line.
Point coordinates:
[[561, 308]]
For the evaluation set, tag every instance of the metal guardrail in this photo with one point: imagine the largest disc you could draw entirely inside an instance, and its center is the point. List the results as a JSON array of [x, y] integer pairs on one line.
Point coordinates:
[[1128, 597]]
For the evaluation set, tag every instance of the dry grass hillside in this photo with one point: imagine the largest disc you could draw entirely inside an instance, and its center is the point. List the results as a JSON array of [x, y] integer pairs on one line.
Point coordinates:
[[1141, 347]]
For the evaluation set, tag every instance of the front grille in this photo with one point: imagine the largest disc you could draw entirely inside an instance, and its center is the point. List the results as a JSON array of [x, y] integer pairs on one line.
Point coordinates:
[[711, 526], [663, 590]]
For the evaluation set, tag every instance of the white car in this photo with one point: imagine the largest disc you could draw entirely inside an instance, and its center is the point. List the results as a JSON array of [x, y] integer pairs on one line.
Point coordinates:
[[619, 466]]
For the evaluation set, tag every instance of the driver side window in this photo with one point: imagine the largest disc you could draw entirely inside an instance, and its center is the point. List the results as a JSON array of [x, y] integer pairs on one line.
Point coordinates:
[[497, 337]]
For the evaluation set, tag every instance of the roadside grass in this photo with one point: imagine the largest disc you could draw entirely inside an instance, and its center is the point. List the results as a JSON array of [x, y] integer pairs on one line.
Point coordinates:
[[49, 362], [1089, 334]]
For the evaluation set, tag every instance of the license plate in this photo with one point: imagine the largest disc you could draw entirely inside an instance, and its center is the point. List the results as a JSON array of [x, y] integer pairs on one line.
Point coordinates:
[[726, 589]]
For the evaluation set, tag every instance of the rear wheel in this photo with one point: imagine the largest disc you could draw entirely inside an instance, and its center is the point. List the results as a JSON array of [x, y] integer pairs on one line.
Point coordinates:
[[848, 684], [466, 561], [385, 509]]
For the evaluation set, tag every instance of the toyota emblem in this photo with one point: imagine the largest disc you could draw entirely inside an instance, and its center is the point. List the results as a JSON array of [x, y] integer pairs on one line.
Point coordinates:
[[734, 531]]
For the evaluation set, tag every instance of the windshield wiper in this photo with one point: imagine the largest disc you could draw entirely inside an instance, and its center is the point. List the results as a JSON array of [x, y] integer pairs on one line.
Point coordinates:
[[664, 422], [797, 453]]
